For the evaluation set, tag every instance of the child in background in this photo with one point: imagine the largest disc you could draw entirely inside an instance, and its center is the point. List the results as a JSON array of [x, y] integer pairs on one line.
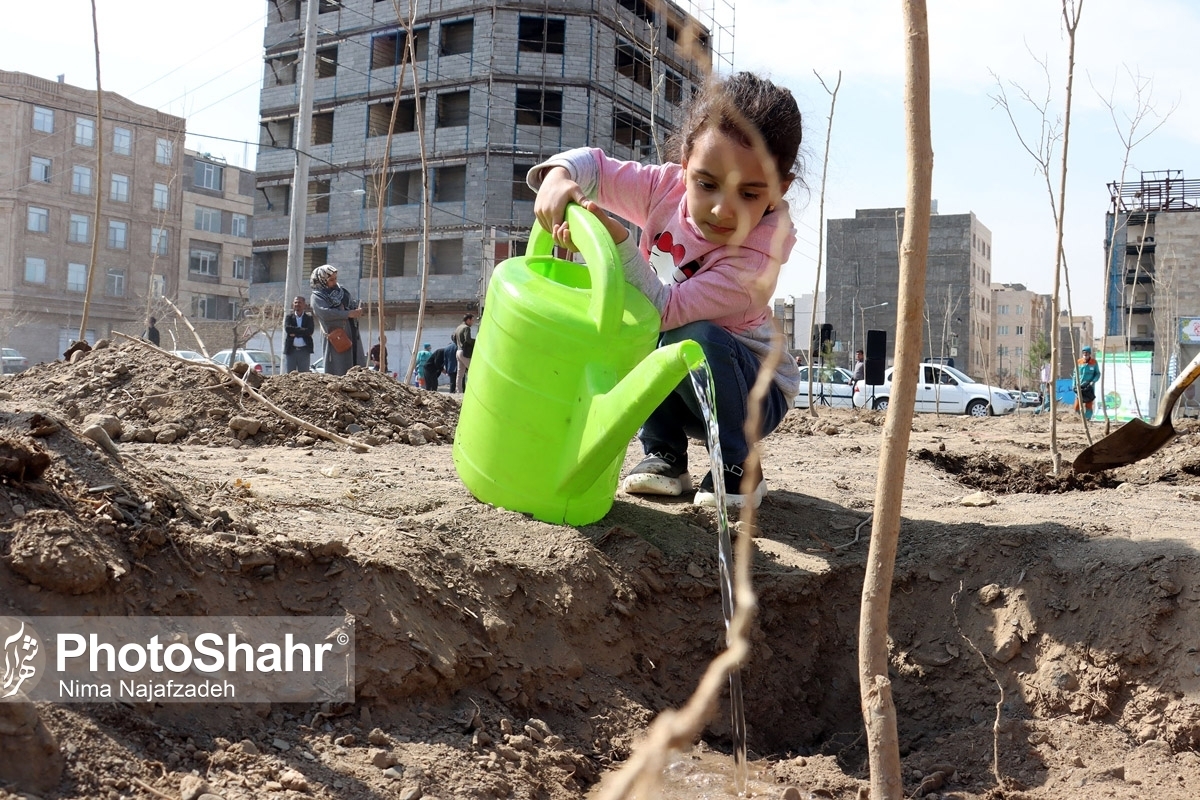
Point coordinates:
[[716, 229]]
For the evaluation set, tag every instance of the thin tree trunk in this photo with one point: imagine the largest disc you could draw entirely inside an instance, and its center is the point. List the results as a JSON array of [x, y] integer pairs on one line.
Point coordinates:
[[426, 217], [812, 407], [879, 712], [1072, 22], [91, 279]]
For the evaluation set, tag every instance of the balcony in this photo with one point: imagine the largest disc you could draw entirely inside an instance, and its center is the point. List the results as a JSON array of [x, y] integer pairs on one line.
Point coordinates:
[[1145, 247], [1138, 308], [1139, 276]]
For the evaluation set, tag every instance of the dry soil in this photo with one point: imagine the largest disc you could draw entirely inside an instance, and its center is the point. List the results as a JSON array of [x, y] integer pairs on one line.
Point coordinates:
[[1043, 635]]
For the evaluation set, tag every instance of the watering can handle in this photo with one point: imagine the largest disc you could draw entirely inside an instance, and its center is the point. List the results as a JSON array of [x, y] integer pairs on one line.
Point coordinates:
[[588, 233]]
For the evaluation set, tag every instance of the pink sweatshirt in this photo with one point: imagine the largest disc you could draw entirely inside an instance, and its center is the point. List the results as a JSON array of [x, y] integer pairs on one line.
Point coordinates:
[[730, 285]]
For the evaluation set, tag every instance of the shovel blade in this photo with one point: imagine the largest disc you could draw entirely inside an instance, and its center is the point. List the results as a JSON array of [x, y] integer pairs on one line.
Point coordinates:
[[1131, 442]]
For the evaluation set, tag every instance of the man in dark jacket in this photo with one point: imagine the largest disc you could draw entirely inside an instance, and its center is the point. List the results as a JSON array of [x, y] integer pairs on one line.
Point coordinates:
[[298, 337], [450, 354]]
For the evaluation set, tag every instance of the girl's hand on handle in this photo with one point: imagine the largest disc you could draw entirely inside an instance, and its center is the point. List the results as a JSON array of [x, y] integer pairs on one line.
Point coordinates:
[[550, 206]]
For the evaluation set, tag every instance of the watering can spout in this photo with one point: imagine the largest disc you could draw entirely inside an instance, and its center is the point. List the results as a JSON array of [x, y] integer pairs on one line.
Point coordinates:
[[614, 417]]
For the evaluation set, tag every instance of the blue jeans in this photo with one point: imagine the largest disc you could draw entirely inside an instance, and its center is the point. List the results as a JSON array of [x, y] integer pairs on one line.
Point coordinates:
[[734, 369]]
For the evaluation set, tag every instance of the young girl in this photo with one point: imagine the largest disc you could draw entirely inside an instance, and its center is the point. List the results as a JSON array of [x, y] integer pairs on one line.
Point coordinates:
[[716, 227]]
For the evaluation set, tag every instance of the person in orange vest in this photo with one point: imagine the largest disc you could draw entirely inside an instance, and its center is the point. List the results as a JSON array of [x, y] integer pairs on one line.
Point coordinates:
[[1086, 374]]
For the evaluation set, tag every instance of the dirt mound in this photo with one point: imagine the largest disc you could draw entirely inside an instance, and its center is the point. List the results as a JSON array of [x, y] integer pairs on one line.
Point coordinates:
[[155, 398], [1006, 475]]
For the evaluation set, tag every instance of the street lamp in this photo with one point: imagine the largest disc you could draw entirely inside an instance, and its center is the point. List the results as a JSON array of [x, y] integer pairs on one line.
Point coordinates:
[[863, 311]]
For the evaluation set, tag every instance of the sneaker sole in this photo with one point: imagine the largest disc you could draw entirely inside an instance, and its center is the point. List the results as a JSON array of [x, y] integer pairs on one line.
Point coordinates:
[[754, 500], [662, 485]]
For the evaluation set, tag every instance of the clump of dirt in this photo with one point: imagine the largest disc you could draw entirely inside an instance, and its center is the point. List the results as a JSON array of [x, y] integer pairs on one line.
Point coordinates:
[[155, 398], [1009, 475]]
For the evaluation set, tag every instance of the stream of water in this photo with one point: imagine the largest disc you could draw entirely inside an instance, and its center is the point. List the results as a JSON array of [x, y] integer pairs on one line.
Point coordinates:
[[702, 384]]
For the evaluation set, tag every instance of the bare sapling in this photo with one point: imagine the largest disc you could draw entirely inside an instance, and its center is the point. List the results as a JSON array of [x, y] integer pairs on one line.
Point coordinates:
[[875, 691]]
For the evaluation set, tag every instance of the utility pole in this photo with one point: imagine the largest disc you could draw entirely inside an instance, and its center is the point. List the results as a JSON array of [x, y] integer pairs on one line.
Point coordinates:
[[300, 143]]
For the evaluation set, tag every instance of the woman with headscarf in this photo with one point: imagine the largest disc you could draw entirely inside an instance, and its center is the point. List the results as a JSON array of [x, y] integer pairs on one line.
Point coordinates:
[[336, 311]]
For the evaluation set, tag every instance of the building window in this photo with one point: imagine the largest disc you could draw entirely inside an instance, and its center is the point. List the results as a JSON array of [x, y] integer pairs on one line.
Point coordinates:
[[450, 184], [85, 132], [81, 180], [39, 169], [164, 151], [673, 87], [238, 225], [114, 282], [402, 188], [389, 50], [457, 37], [204, 262], [282, 70], [158, 285], [327, 62], [641, 8], [446, 257], [1002, 330], [632, 132], [159, 239], [277, 133], [208, 219], [76, 277], [379, 116], [453, 109], [119, 191], [536, 107], [209, 176], [322, 128], [38, 220], [118, 234], [394, 261], [77, 231], [1020, 330], [122, 141], [521, 190], [239, 268], [162, 197], [1020, 310], [35, 269], [541, 35], [319, 192], [1002, 309], [632, 63], [43, 119]]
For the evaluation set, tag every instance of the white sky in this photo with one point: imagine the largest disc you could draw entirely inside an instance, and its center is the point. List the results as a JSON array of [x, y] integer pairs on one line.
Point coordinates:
[[207, 66]]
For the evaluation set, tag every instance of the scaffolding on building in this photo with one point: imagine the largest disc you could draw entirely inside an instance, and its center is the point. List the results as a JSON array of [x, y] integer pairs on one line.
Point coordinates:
[[1156, 190]]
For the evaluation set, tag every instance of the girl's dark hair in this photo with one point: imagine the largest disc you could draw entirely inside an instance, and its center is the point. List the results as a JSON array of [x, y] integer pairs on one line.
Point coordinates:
[[745, 107]]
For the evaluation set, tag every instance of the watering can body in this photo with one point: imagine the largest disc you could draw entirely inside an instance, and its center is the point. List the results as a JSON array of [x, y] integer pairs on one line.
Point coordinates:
[[563, 372]]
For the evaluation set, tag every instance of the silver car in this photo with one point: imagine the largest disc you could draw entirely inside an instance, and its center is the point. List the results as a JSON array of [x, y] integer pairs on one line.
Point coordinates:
[[259, 360], [832, 386], [13, 361]]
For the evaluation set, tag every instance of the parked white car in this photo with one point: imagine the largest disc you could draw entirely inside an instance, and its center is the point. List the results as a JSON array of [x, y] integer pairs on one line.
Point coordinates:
[[259, 360], [12, 361], [832, 386], [942, 389]]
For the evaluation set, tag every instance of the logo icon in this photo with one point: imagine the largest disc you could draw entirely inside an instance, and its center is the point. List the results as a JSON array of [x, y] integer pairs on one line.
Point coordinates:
[[22, 658]]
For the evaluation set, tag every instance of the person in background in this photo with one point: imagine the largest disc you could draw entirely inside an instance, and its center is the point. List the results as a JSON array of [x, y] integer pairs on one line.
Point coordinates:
[[1086, 375], [433, 369], [715, 231], [373, 358], [335, 309], [860, 367], [298, 328], [466, 348], [451, 363], [422, 359], [151, 334]]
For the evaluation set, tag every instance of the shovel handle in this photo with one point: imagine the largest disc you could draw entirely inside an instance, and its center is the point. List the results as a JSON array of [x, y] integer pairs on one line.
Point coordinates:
[[1177, 388]]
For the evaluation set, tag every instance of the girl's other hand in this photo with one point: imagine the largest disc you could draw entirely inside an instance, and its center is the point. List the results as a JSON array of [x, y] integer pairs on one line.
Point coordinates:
[[562, 233], [550, 206]]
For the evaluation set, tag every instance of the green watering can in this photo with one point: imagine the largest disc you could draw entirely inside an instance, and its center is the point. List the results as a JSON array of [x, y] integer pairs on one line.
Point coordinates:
[[564, 371]]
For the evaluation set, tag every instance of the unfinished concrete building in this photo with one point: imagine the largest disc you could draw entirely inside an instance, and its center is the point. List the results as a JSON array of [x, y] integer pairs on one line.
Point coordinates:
[[492, 90], [863, 282], [1152, 281]]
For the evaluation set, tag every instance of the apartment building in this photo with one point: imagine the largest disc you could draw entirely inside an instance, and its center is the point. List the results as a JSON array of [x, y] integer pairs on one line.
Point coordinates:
[[863, 282], [214, 254], [1021, 319], [51, 149], [492, 90]]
